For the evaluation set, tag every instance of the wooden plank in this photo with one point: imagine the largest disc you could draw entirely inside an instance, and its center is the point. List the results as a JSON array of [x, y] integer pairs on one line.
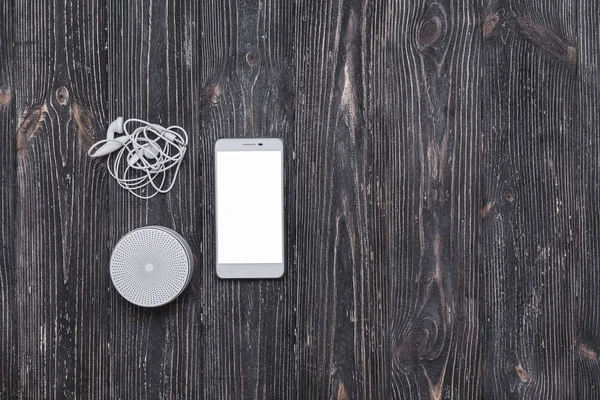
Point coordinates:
[[8, 301], [153, 75], [529, 249], [59, 71], [247, 83], [427, 171], [377, 300], [342, 291], [587, 230]]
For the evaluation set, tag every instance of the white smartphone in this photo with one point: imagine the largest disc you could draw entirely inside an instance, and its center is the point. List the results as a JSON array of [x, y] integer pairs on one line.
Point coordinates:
[[249, 184]]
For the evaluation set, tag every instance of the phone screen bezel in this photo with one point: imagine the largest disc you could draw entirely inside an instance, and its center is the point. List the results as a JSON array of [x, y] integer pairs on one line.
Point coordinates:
[[250, 270]]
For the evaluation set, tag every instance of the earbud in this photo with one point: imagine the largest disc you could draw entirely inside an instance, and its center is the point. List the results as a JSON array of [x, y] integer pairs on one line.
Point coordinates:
[[111, 144], [116, 126], [147, 151]]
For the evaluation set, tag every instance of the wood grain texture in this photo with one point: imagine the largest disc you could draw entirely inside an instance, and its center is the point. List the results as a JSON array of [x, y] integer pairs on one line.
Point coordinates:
[[587, 231], [341, 295], [442, 198], [153, 68], [428, 169], [8, 297], [60, 235], [246, 50], [529, 249]]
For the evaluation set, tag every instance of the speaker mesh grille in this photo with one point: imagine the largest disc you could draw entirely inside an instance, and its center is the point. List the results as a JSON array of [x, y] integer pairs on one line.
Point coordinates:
[[150, 266]]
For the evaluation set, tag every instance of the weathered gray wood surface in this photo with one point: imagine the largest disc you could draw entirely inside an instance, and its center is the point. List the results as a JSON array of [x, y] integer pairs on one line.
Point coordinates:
[[60, 238], [8, 276], [587, 226], [429, 184], [530, 262], [443, 226]]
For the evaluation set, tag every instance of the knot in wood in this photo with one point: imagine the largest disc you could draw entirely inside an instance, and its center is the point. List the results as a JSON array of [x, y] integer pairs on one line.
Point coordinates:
[[252, 58], [430, 31], [489, 24], [288, 100], [62, 95], [522, 374], [31, 122], [210, 94], [5, 97]]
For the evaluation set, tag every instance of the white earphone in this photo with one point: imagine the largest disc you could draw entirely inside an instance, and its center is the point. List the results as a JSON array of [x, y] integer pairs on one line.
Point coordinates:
[[144, 157]]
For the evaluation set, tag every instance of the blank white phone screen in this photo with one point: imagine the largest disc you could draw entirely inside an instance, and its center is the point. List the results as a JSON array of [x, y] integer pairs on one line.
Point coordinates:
[[249, 207]]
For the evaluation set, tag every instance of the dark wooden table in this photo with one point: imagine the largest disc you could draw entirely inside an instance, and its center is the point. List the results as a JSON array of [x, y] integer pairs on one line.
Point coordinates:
[[443, 221]]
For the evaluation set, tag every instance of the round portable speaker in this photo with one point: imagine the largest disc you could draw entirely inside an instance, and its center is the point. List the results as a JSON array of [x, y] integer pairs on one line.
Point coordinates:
[[151, 266]]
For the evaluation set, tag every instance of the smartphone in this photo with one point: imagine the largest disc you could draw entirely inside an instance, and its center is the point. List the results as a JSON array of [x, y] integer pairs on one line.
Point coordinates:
[[249, 184]]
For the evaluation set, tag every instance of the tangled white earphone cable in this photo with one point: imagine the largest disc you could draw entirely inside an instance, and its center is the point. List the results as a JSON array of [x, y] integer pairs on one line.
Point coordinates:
[[145, 159]]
